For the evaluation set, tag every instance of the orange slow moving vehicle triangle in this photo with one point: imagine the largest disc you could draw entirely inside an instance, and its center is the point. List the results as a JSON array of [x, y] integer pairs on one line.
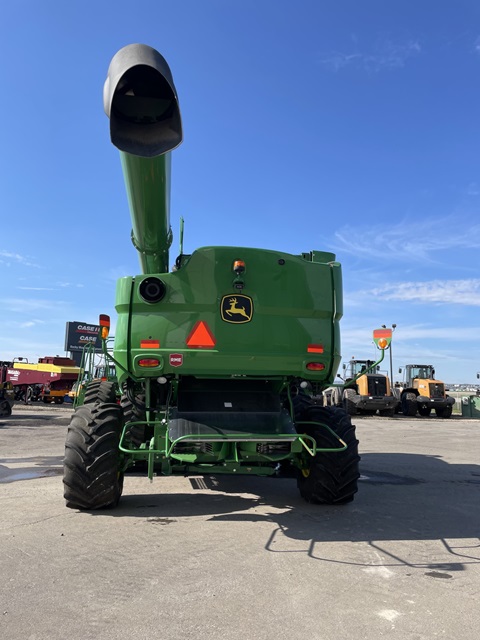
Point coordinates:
[[201, 337]]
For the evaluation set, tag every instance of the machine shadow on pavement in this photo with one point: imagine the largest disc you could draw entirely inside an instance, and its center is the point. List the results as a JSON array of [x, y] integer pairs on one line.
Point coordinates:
[[420, 498]]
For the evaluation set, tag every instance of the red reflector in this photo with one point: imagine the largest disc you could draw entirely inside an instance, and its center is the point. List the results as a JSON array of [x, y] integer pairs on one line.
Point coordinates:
[[315, 348], [104, 379], [149, 344], [200, 337], [149, 362], [315, 366], [104, 320]]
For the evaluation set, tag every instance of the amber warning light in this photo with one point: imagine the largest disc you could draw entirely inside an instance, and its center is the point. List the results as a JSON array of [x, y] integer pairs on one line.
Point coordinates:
[[104, 322], [382, 338], [239, 266]]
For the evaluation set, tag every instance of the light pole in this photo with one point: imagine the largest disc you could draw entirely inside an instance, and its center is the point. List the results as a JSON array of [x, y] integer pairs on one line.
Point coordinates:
[[394, 326]]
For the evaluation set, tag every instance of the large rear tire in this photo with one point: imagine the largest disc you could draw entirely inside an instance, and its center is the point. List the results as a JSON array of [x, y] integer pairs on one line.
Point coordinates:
[[136, 433], [100, 391], [330, 477], [91, 466], [301, 402]]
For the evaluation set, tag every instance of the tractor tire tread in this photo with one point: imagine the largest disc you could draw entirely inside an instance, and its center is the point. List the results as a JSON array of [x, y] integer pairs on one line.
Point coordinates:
[[333, 476], [91, 479], [100, 391]]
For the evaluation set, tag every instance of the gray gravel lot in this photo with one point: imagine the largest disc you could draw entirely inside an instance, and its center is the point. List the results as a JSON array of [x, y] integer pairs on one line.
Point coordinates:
[[229, 557]]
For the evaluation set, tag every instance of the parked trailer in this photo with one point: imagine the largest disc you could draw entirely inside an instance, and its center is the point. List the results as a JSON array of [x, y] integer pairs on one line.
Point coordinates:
[[48, 380]]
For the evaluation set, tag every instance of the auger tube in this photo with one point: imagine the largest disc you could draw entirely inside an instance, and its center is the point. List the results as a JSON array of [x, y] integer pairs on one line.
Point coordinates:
[[145, 125]]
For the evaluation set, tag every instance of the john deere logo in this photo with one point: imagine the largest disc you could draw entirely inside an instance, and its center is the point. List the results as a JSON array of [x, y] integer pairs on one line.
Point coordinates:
[[236, 309]]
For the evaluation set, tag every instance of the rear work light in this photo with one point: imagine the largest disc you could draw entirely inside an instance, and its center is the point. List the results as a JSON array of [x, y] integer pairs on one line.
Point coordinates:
[[149, 362], [315, 366]]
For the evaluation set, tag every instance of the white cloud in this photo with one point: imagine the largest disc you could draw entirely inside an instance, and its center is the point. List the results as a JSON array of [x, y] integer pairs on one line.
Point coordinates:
[[473, 189], [15, 257], [459, 292], [22, 305], [30, 323], [65, 285], [386, 54], [407, 241]]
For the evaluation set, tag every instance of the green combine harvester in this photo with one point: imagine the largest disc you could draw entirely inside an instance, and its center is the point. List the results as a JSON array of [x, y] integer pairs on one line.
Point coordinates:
[[218, 361]]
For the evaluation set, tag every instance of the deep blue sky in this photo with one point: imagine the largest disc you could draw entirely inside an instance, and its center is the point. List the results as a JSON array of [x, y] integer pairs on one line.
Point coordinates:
[[352, 127]]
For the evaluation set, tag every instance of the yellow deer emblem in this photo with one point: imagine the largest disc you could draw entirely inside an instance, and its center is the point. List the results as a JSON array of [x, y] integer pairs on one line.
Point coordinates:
[[232, 308], [235, 309]]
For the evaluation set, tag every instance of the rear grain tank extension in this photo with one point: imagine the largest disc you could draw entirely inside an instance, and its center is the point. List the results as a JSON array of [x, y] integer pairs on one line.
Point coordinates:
[[218, 360]]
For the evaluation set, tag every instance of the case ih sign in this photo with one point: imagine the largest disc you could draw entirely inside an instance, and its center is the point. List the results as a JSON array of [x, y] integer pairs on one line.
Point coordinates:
[[80, 334]]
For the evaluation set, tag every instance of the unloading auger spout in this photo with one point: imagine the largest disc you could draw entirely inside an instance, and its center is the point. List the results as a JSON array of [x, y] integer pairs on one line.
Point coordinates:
[[145, 125]]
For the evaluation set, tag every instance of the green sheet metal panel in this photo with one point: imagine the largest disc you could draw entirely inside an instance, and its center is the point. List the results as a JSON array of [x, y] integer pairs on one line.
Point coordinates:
[[287, 304]]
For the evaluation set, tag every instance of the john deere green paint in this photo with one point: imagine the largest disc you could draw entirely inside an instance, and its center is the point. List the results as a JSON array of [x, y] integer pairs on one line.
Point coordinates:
[[218, 360]]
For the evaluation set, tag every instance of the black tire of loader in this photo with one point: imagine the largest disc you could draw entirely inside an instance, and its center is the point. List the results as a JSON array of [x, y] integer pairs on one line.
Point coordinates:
[[409, 404], [100, 391], [424, 411], [348, 402], [90, 469], [444, 412], [386, 413], [132, 412], [332, 476]]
